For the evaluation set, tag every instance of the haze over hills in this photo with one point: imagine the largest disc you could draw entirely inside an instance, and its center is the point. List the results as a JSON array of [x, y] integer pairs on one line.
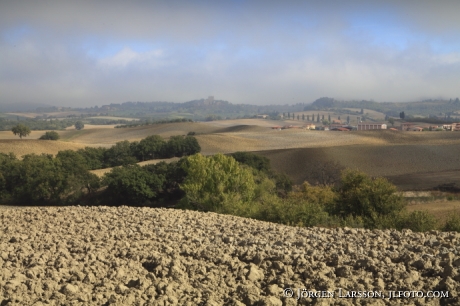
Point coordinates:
[[212, 109]]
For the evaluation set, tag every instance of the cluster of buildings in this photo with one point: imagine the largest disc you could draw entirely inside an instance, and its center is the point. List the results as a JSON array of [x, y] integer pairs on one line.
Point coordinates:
[[409, 126], [363, 126]]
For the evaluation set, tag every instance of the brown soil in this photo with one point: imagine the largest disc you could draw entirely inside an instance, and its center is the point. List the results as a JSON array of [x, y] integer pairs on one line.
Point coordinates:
[[145, 256]]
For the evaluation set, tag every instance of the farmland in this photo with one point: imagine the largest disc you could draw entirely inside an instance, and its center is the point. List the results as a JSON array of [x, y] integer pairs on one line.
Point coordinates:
[[409, 159]]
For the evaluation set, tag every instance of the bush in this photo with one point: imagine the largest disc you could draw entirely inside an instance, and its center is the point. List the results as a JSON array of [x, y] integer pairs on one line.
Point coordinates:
[[375, 200], [79, 125], [452, 224], [417, 221], [52, 135]]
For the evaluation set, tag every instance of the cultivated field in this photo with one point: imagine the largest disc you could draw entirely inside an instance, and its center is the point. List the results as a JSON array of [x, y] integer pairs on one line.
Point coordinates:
[[411, 160], [146, 256]]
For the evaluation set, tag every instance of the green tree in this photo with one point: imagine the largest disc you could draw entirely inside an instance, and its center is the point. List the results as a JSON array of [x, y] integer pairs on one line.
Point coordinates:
[[375, 200], [217, 183], [39, 179], [21, 130], [7, 164], [261, 163], [52, 135], [391, 121], [76, 170], [79, 125], [150, 147], [119, 154], [132, 185], [94, 157], [191, 146]]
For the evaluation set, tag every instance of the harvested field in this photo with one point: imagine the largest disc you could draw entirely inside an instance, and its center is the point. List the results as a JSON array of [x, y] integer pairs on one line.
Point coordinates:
[[111, 136], [9, 135], [400, 163], [146, 256], [403, 157], [441, 209], [426, 180], [28, 146]]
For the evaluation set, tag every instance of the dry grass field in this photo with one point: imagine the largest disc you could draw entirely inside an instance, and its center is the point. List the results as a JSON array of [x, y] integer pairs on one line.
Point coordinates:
[[411, 160], [28, 146], [441, 209]]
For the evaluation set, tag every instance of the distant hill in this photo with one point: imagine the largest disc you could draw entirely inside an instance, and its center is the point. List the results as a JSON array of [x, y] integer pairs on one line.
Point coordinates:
[[428, 108], [21, 107]]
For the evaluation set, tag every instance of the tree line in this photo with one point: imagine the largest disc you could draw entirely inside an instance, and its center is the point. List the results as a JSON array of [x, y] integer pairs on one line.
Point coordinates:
[[151, 147], [241, 184]]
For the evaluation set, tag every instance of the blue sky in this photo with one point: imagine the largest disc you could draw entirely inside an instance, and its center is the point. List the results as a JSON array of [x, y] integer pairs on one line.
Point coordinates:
[[78, 53]]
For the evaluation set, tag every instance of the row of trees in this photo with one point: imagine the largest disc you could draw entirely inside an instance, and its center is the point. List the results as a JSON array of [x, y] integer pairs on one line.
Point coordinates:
[[151, 147], [216, 183]]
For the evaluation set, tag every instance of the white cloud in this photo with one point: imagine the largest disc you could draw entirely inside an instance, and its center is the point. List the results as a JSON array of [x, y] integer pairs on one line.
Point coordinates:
[[127, 57]]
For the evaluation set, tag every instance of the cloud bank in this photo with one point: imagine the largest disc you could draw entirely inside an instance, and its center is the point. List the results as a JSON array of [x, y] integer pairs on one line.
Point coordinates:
[[260, 52]]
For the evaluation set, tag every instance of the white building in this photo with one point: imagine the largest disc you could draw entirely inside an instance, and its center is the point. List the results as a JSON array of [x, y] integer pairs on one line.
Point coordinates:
[[371, 126]]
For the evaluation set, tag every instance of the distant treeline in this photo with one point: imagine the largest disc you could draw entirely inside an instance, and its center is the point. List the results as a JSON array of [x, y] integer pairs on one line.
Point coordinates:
[[425, 108], [37, 124], [433, 120], [151, 122]]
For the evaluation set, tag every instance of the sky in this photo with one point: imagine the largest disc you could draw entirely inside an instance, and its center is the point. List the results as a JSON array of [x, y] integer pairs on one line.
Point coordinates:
[[87, 53]]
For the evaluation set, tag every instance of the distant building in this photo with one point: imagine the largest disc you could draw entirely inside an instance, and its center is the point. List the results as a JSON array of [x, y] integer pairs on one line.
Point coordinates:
[[209, 100], [371, 126], [406, 126]]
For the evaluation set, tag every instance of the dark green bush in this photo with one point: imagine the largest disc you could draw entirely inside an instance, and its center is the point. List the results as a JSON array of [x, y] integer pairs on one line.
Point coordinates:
[[52, 135], [453, 223], [417, 221], [375, 200]]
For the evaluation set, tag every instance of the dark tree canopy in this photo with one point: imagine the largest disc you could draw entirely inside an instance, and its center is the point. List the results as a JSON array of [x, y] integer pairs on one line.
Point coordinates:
[[52, 135], [21, 130], [79, 125]]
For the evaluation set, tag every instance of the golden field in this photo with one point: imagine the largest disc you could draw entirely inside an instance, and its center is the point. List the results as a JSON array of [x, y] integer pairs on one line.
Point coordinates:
[[410, 159]]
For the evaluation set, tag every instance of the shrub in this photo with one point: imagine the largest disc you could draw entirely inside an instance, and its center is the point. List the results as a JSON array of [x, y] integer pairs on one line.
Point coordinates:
[[452, 224], [52, 135], [79, 125], [372, 199], [417, 221]]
